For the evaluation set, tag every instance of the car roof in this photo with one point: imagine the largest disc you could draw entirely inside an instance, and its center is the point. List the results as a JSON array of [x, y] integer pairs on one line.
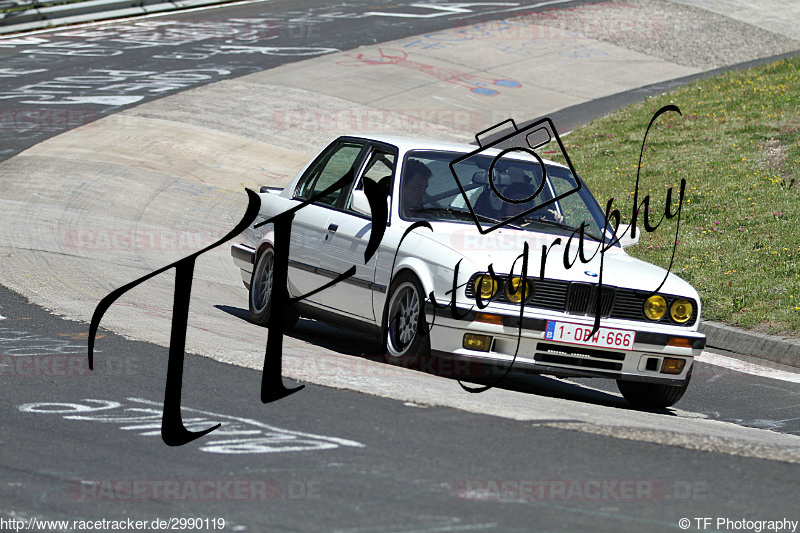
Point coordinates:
[[405, 143]]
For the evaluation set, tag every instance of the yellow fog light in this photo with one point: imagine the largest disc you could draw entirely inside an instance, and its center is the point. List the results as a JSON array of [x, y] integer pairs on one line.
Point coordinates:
[[485, 286], [518, 290], [480, 343], [655, 307], [672, 365], [681, 310]]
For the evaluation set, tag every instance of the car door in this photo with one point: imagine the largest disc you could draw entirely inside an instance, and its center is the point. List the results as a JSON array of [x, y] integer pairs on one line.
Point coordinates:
[[345, 242], [309, 228]]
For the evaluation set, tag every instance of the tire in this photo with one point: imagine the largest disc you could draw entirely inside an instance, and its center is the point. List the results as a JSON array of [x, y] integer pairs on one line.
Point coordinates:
[[260, 297], [653, 395], [405, 330]]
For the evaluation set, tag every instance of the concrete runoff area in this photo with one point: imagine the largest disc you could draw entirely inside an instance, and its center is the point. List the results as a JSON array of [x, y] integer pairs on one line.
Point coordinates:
[[92, 209]]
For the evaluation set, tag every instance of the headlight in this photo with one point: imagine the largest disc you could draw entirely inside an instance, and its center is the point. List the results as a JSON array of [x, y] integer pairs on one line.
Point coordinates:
[[485, 286], [681, 310], [655, 307], [518, 290]]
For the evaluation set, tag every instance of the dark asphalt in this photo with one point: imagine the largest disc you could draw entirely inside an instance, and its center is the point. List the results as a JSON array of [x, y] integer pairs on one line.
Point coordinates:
[[405, 467], [154, 62]]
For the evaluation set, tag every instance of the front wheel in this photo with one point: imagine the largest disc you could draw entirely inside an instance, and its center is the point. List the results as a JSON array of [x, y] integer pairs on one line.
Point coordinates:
[[653, 395], [405, 330], [261, 292]]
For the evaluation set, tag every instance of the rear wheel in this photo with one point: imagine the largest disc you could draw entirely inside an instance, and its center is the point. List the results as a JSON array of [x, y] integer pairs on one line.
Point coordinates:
[[261, 292], [405, 330], [653, 395]]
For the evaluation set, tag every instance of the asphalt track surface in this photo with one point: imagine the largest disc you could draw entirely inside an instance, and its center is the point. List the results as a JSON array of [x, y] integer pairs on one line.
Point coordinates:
[[339, 460], [74, 443], [318, 30]]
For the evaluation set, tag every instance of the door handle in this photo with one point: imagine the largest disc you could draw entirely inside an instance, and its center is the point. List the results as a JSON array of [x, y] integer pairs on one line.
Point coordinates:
[[331, 230]]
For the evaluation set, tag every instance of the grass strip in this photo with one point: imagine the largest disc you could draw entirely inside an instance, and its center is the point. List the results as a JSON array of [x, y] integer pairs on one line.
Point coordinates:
[[737, 145]]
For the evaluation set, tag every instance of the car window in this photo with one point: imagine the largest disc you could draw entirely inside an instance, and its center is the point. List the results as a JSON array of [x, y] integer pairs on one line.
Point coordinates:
[[574, 206], [517, 178], [328, 171], [378, 169], [420, 181], [381, 165]]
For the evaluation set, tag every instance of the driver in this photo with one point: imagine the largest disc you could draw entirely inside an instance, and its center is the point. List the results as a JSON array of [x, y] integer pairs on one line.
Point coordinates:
[[415, 183]]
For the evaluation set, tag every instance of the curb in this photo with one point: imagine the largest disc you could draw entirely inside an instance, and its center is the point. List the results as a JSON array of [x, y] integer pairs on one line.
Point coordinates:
[[780, 350]]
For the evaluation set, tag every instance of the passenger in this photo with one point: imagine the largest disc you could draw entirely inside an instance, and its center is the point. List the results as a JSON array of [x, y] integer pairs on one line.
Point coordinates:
[[488, 203], [519, 191]]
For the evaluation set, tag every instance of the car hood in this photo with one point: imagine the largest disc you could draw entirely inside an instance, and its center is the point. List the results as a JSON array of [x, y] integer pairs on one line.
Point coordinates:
[[502, 247]]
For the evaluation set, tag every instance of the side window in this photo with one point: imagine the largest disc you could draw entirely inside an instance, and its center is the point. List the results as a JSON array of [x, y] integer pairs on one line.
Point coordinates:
[[379, 169], [328, 171], [381, 165]]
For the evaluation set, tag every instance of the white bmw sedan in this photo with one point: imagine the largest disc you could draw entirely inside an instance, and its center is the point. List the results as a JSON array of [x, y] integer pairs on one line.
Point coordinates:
[[479, 260]]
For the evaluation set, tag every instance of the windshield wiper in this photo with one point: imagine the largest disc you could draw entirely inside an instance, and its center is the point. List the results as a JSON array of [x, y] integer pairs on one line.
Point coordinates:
[[495, 221], [567, 227], [448, 210], [461, 213]]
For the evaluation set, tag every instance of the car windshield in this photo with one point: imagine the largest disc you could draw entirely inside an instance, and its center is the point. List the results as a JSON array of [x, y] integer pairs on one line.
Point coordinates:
[[520, 197]]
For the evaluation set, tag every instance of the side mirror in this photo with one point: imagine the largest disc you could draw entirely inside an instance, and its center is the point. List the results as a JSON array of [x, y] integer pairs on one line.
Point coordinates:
[[359, 203], [624, 234]]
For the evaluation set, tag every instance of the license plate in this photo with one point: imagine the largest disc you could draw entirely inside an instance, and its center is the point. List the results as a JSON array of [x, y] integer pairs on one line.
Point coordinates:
[[618, 339]]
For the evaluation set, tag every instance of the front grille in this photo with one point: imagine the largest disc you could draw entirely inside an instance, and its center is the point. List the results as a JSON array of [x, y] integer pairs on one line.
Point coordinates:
[[547, 293], [550, 294], [580, 299], [628, 305]]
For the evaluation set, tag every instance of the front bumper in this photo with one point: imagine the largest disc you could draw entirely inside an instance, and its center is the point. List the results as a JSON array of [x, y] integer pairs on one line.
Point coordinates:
[[244, 257], [537, 354]]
